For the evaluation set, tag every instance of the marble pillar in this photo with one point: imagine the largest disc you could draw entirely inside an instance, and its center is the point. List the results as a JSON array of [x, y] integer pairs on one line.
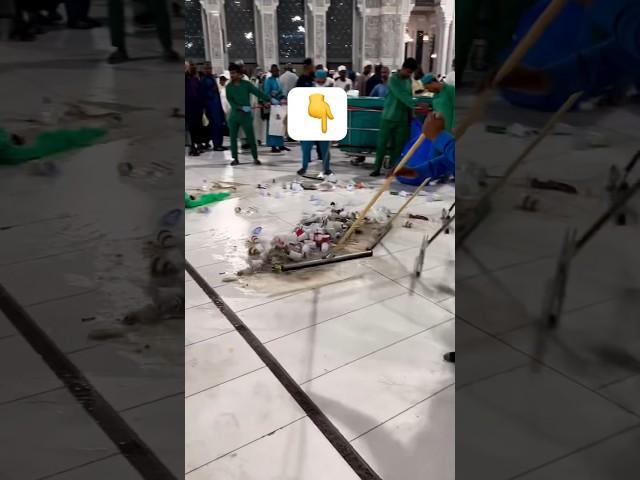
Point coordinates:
[[267, 19], [215, 42], [316, 36]]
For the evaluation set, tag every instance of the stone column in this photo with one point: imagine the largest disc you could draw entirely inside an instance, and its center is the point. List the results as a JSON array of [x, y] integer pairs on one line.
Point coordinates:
[[444, 14], [452, 45], [215, 42], [318, 40], [268, 19], [383, 23]]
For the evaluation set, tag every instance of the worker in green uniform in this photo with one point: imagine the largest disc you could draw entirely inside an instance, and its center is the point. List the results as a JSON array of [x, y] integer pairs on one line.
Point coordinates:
[[396, 115], [444, 100], [117, 30], [238, 95]]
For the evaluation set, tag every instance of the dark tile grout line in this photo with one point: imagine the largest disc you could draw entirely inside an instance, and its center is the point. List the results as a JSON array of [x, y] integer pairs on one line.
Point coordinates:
[[46, 257], [105, 416], [564, 312], [31, 395], [77, 467], [143, 404], [11, 335], [553, 369], [226, 381], [246, 444], [186, 345], [460, 386], [64, 297], [577, 450], [403, 411], [620, 380], [379, 350], [507, 267], [332, 318], [304, 401]]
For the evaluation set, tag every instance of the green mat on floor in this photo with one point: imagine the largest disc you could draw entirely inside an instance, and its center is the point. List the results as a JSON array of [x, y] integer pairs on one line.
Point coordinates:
[[204, 199], [47, 143]]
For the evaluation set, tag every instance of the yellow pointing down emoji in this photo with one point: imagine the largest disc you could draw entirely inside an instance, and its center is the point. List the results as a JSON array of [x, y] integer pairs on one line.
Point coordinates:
[[318, 108]]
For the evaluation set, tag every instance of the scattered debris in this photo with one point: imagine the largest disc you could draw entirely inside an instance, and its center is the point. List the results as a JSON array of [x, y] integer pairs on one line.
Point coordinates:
[[418, 217], [171, 218], [107, 333], [407, 224], [529, 203], [125, 168], [553, 185], [87, 319]]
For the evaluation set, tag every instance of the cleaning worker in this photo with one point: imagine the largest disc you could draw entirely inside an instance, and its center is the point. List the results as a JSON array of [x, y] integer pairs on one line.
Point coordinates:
[[396, 114], [318, 108], [238, 95], [440, 161], [444, 100]]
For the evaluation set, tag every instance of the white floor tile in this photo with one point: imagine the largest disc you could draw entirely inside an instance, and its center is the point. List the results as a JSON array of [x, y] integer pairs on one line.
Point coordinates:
[[368, 392], [218, 360], [625, 393], [308, 308], [297, 451], [400, 264], [54, 426], [594, 345], [519, 420], [482, 356], [325, 347], [50, 278], [403, 448], [222, 419], [126, 377], [33, 375], [436, 284], [194, 295], [203, 322], [161, 426], [613, 459]]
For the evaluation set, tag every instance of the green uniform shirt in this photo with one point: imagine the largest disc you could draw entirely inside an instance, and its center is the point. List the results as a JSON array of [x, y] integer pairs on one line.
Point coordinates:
[[444, 102], [399, 101], [240, 95]]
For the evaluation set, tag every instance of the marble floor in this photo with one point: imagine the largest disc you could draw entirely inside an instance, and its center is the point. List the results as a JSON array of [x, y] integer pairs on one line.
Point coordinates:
[[564, 404], [364, 338], [73, 256]]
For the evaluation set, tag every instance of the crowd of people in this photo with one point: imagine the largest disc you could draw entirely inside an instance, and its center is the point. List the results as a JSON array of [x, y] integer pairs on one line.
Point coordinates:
[[31, 18], [237, 103]]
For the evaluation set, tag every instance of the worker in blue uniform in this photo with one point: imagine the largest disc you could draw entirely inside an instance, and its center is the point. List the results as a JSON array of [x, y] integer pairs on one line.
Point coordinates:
[[437, 161], [592, 46]]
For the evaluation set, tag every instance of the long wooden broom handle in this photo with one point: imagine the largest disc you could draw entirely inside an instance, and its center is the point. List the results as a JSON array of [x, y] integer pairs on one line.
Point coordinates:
[[382, 189]]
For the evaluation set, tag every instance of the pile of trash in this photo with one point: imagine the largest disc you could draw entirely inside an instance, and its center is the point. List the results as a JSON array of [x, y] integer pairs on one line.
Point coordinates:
[[311, 239]]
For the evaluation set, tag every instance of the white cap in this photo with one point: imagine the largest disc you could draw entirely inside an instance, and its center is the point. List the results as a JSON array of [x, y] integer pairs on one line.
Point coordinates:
[[341, 68], [368, 64]]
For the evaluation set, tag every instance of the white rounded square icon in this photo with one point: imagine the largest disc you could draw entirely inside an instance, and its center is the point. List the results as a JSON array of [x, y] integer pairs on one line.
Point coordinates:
[[317, 113]]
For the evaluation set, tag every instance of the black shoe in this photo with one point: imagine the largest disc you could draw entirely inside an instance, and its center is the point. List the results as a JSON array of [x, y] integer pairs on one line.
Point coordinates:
[[301, 172], [235, 162], [171, 56], [285, 149], [257, 162], [275, 150], [194, 152], [328, 172], [450, 357], [375, 173], [22, 34], [119, 56], [53, 17], [220, 149], [244, 146]]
